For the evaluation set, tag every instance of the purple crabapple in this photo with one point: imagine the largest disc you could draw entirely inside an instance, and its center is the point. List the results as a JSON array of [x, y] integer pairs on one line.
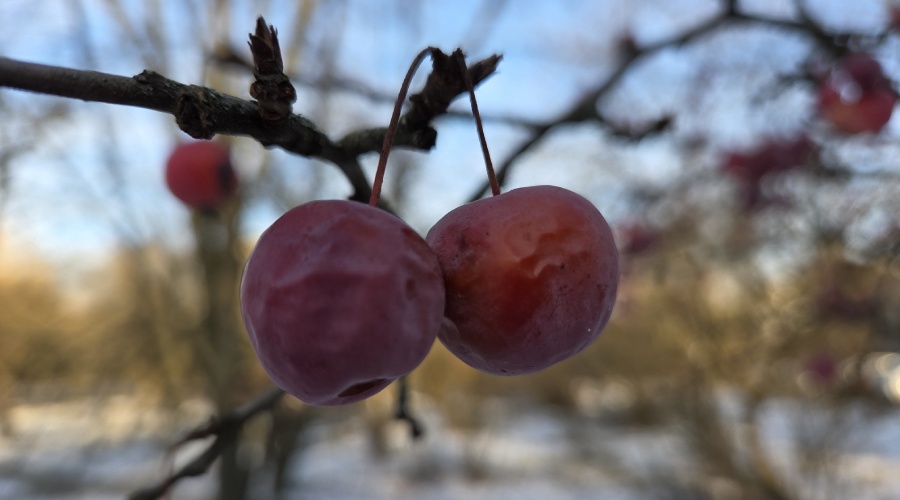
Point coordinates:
[[340, 299]]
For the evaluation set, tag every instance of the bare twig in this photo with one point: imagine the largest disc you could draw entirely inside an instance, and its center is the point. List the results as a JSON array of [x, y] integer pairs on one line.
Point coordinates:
[[272, 89], [226, 429], [403, 413], [228, 56], [445, 83]]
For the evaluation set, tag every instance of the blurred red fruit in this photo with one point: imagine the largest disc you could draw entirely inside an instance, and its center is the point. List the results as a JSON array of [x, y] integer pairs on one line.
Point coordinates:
[[822, 369], [637, 238], [201, 175], [773, 156], [836, 303], [856, 97]]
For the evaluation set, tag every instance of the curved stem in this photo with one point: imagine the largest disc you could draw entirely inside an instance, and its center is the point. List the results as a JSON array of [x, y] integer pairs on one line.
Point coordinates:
[[392, 126], [489, 165]]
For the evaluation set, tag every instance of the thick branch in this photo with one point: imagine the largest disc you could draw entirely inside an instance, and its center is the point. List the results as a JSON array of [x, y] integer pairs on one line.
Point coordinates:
[[203, 113], [200, 112]]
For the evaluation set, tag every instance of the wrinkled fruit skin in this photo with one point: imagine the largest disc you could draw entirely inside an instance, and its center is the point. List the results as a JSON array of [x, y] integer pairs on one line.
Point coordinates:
[[201, 175], [340, 299], [531, 278]]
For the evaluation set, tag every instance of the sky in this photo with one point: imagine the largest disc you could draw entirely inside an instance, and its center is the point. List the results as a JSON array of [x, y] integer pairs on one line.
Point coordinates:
[[67, 201]]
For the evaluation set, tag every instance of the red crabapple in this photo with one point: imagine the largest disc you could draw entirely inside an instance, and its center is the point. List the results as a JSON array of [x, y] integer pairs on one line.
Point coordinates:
[[835, 302], [822, 369], [340, 299], [638, 238], [530, 276], [200, 174], [856, 97], [772, 156]]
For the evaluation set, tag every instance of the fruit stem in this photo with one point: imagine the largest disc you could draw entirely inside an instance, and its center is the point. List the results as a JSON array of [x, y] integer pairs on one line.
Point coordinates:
[[392, 126], [492, 177]]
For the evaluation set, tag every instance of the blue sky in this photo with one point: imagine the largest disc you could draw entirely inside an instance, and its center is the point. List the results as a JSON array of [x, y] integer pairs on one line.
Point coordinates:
[[67, 200]]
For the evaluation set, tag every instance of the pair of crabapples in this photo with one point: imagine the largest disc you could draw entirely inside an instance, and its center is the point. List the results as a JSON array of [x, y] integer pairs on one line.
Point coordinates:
[[341, 298]]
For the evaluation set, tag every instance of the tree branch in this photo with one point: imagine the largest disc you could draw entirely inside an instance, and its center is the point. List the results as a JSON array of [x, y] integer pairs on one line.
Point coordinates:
[[226, 429], [585, 109], [445, 83], [199, 111], [202, 112], [226, 56], [403, 412]]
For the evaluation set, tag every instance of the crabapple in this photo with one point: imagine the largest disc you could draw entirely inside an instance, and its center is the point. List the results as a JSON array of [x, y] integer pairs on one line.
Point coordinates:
[[822, 367], [201, 175], [638, 238], [856, 97], [530, 277], [339, 300], [772, 156], [834, 301]]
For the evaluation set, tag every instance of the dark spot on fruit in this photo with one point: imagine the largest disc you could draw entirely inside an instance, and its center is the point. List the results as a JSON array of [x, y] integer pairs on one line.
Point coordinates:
[[410, 287], [462, 244], [361, 387]]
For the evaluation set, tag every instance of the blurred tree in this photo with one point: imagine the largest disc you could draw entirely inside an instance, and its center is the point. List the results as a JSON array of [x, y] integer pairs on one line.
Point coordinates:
[[753, 181]]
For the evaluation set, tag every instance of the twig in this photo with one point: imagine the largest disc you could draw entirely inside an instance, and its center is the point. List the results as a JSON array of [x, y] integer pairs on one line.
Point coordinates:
[[445, 83], [403, 414], [227, 56], [226, 429], [272, 89]]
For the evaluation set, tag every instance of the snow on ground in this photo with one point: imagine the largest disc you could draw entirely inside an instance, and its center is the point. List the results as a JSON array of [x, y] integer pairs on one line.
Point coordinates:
[[106, 449]]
